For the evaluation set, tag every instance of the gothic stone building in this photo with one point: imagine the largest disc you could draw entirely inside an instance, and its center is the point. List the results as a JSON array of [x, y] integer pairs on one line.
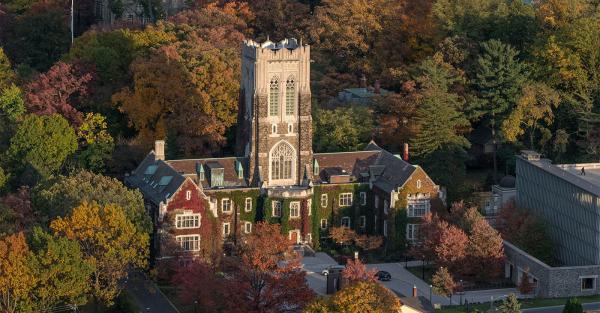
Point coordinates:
[[198, 204]]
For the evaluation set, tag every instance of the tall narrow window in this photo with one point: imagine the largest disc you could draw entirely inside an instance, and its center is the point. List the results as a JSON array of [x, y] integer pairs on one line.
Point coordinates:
[[282, 162], [274, 97], [290, 96]]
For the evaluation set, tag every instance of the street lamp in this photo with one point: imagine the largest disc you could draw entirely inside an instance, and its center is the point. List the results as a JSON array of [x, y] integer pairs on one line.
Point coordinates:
[[461, 292], [430, 288], [195, 306]]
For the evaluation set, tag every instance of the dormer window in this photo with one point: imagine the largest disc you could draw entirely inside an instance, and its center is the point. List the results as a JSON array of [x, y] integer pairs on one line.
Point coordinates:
[[239, 169], [200, 171], [216, 174]]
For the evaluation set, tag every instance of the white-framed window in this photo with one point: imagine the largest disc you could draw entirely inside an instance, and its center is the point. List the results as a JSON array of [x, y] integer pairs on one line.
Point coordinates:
[[376, 201], [308, 238], [346, 199], [248, 205], [276, 208], [345, 221], [189, 242], [375, 223], [187, 221], [226, 229], [324, 223], [247, 227], [385, 227], [412, 231], [274, 129], [363, 198], [324, 200], [282, 161], [290, 96], [290, 128], [362, 222], [309, 206], [294, 209], [418, 205], [226, 205], [274, 97], [419, 184], [588, 282], [188, 195]]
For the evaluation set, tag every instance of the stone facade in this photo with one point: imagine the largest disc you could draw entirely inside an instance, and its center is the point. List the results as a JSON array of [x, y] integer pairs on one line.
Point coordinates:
[[550, 281], [277, 178]]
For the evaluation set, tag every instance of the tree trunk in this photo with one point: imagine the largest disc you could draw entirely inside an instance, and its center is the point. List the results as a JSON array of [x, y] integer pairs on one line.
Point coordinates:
[[495, 175]]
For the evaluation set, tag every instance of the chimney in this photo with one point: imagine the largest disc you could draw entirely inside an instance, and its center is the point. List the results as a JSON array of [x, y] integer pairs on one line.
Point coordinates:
[[405, 152], [363, 81], [414, 294], [159, 149], [377, 87]]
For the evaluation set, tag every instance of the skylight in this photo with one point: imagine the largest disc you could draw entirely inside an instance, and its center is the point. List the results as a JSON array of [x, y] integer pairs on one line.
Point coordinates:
[[165, 180]]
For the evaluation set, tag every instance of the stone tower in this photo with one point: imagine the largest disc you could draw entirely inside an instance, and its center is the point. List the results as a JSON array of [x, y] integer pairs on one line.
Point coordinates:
[[274, 119]]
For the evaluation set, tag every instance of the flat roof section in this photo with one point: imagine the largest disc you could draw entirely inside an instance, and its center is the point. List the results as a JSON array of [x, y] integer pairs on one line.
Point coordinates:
[[592, 171]]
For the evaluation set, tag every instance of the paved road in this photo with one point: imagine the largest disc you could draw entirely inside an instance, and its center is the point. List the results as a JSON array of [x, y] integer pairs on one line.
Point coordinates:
[[595, 306], [145, 293]]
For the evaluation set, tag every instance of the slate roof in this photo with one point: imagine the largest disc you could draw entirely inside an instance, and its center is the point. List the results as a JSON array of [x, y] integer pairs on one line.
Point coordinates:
[[187, 168], [158, 180], [151, 177]]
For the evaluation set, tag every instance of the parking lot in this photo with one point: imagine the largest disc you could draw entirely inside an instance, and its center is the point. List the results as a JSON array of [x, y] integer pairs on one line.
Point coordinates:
[[402, 281]]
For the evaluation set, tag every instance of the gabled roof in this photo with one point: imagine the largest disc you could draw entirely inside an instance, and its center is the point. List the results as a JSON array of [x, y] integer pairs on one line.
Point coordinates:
[[155, 179], [230, 166], [385, 169]]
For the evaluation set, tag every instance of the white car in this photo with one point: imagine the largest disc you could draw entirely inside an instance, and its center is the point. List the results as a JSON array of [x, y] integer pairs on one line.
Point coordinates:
[[325, 272]]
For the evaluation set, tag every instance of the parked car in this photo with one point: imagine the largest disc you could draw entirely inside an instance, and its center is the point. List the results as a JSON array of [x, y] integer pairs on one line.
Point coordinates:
[[383, 276], [326, 271]]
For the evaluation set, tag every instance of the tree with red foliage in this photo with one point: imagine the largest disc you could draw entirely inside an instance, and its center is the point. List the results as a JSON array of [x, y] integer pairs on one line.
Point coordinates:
[[54, 92], [367, 242], [356, 271], [526, 231], [525, 285], [17, 213], [268, 278], [452, 248], [192, 282], [429, 235], [485, 252]]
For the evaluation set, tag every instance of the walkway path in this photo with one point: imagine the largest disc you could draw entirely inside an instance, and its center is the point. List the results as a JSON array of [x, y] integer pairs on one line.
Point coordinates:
[[147, 295], [588, 307]]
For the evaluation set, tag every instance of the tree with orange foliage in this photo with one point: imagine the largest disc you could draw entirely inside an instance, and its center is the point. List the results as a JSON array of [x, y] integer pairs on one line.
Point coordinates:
[[452, 248], [356, 271], [54, 92], [16, 280], [396, 114], [367, 242], [443, 283], [342, 235], [525, 285], [485, 252], [429, 237], [268, 277], [111, 245], [360, 297]]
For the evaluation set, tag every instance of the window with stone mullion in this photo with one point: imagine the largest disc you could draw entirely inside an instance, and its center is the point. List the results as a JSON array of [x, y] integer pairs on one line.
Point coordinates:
[[290, 97], [274, 98]]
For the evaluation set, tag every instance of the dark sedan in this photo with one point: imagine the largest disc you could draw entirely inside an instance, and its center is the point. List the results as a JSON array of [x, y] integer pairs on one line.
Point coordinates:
[[383, 276]]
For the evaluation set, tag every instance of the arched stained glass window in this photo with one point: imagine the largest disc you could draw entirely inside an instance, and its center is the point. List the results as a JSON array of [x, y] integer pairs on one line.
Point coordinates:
[[274, 97], [282, 161], [290, 96]]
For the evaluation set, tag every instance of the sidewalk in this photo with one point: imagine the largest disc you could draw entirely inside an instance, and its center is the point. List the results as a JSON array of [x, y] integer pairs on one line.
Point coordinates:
[[147, 295]]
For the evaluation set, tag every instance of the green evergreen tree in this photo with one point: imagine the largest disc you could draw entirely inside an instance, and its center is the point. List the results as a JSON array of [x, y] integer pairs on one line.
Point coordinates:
[[510, 304], [498, 79], [573, 306]]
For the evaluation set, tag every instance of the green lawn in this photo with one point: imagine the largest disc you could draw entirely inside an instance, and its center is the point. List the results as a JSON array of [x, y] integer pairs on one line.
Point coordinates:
[[525, 304]]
